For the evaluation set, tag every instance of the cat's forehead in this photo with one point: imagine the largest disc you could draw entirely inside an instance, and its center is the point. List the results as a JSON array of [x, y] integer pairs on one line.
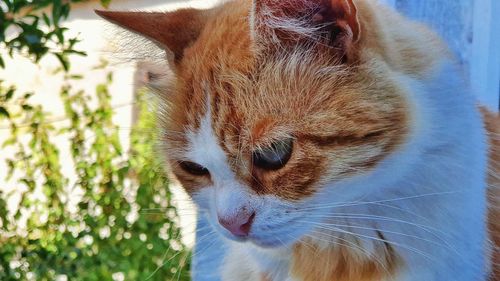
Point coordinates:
[[252, 100], [226, 71], [250, 95]]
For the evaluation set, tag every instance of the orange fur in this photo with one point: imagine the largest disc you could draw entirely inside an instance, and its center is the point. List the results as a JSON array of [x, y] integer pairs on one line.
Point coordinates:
[[265, 278], [492, 122], [341, 263]]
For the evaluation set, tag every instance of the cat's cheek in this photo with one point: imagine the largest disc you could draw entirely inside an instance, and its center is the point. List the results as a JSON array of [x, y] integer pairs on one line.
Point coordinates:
[[278, 223], [202, 198]]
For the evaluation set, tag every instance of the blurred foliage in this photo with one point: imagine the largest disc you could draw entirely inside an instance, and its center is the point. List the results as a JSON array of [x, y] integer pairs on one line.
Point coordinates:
[[33, 28], [106, 216], [115, 221]]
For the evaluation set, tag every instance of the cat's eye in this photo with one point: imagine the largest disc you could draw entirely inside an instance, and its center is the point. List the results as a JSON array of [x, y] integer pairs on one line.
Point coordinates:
[[193, 168], [274, 157]]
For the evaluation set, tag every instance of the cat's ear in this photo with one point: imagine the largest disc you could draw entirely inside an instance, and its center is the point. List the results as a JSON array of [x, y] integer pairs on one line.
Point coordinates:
[[334, 23], [172, 31]]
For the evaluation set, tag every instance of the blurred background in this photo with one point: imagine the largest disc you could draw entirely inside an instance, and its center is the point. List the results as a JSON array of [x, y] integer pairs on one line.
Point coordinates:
[[83, 195]]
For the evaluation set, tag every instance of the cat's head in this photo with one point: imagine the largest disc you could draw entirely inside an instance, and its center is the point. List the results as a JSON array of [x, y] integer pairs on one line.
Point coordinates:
[[278, 110]]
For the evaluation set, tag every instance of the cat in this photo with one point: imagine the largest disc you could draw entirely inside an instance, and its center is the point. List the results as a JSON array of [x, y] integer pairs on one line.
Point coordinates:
[[326, 140]]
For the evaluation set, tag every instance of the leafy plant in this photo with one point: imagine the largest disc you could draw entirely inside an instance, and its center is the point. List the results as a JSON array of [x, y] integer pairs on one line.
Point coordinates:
[[122, 223], [33, 28], [86, 208]]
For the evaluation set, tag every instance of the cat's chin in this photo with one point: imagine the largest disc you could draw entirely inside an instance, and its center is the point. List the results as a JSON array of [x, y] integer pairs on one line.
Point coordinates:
[[274, 242], [261, 242], [270, 244]]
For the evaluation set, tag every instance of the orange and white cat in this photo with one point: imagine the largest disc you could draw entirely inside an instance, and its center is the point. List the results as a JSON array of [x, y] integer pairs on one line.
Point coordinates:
[[325, 140]]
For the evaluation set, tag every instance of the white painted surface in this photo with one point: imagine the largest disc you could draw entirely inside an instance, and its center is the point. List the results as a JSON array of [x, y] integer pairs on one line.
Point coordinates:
[[472, 29], [391, 3], [485, 62]]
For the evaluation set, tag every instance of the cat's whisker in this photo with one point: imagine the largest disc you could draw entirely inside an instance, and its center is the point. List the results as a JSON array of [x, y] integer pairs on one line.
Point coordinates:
[[350, 245], [167, 215], [433, 231], [358, 203], [447, 246], [302, 240], [414, 214], [346, 243], [412, 249], [171, 208], [426, 228], [163, 262], [183, 263], [200, 252], [207, 247]]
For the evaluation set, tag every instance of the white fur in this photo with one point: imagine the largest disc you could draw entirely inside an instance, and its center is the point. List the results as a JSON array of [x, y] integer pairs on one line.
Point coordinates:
[[272, 22]]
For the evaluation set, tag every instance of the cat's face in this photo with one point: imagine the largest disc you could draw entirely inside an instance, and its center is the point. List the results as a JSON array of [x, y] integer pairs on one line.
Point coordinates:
[[267, 120]]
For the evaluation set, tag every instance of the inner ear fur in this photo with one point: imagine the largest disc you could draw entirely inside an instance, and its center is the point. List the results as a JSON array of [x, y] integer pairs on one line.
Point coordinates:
[[333, 23], [172, 31]]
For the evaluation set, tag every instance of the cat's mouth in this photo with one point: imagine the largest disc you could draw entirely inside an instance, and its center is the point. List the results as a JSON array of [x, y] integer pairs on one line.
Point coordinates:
[[262, 242], [269, 237], [271, 243]]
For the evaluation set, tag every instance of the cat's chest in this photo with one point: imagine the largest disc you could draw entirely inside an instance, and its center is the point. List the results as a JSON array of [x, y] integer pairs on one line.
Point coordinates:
[[250, 263], [341, 262], [303, 262]]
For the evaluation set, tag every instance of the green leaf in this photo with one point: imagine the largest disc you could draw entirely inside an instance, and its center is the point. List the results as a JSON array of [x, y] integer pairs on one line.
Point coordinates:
[[65, 11], [4, 112], [27, 107], [10, 94], [75, 77], [63, 60], [9, 142], [56, 12], [105, 3], [46, 19], [75, 52]]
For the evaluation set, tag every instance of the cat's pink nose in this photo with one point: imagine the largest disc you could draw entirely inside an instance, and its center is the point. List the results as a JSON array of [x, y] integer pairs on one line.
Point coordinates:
[[239, 224]]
